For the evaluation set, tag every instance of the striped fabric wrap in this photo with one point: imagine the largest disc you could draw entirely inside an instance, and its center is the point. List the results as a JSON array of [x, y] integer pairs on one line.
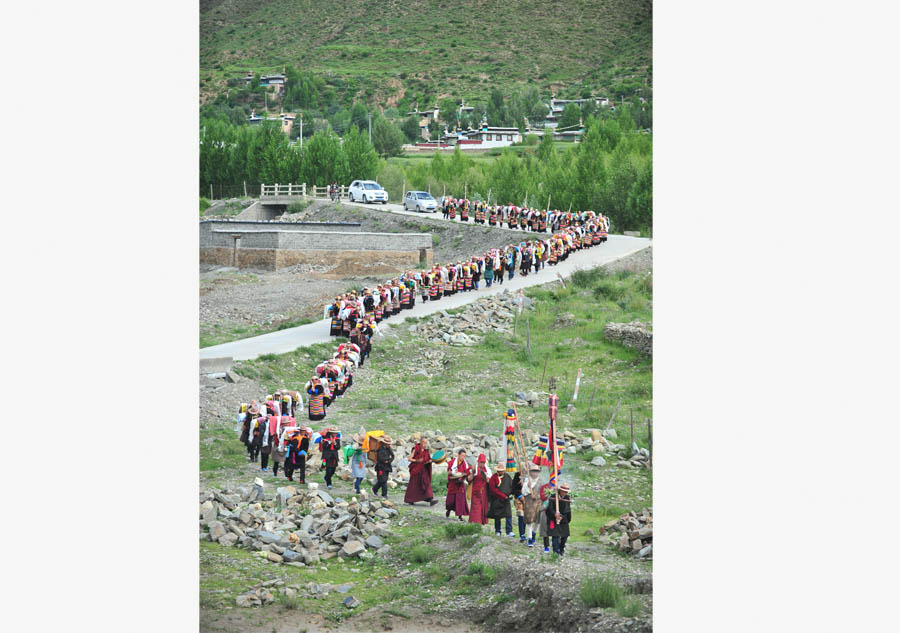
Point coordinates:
[[316, 405]]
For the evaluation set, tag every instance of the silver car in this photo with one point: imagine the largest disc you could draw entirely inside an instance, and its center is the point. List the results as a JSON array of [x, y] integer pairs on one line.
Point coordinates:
[[420, 201]]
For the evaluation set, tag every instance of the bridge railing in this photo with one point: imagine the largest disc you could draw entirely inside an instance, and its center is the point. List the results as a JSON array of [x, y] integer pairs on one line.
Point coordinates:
[[322, 192], [282, 190], [300, 190]]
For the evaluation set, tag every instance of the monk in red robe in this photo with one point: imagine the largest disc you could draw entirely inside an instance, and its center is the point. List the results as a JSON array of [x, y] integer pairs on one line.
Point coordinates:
[[419, 487], [457, 472], [479, 479]]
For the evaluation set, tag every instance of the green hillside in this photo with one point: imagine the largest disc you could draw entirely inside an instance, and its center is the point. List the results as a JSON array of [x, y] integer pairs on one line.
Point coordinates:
[[380, 50]]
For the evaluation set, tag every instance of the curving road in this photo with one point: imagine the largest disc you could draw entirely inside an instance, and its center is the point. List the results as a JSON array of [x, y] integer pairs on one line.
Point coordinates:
[[616, 247]]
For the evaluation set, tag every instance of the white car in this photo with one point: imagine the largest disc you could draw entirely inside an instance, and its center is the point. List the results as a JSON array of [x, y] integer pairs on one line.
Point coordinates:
[[419, 201], [367, 191]]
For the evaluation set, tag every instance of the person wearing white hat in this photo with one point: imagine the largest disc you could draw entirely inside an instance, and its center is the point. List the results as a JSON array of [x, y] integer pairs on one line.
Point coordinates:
[[558, 520], [531, 502]]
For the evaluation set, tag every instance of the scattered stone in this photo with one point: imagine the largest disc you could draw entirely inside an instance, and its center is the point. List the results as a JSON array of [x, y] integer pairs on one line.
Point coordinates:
[[351, 603], [598, 461]]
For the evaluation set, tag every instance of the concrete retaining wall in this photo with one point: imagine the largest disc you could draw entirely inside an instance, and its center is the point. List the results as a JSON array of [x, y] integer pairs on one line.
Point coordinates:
[[271, 246]]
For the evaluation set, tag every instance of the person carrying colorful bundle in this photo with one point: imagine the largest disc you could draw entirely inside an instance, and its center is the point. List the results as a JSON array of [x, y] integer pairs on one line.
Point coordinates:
[[316, 393], [329, 446], [296, 443], [383, 465]]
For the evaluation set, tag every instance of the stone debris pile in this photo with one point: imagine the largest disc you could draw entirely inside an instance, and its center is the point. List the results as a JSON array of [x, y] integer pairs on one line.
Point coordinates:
[[636, 335], [295, 527], [632, 532], [261, 593], [490, 314]]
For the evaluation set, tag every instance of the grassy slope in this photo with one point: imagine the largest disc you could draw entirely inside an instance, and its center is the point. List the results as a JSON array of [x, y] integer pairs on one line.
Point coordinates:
[[466, 393], [465, 47]]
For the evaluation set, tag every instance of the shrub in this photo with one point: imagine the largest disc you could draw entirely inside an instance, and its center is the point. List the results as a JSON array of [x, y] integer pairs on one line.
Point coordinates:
[[600, 592], [628, 608], [453, 530], [297, 207], [421, 554], [482, 572]]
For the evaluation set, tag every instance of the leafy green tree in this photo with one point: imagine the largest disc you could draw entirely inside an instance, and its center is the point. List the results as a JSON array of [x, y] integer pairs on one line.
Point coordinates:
[[410, 127], [448, 110], [622, 176], [387, 137], [434, 129], [359, 115], [570, 116], [626, 121], [539, 112], [324, 161], [639, 206], [610, 133], [546, 151], [362, 160], [590, 169]]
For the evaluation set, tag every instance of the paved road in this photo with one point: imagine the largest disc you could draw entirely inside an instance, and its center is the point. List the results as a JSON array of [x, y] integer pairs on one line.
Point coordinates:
[[437, 215], [616, 247]]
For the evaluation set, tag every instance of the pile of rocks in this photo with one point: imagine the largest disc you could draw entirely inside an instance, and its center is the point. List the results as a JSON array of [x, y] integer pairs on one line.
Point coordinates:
[[490, 314], [295, 527], [632, 532], [261, 594], [636, 335]]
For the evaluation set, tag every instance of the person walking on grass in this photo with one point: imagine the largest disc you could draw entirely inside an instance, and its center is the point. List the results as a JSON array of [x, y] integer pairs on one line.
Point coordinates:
[[357, 463], [383, 466], [419, 486], [479, 480], [558, 521], [457, 472], [500, 493]]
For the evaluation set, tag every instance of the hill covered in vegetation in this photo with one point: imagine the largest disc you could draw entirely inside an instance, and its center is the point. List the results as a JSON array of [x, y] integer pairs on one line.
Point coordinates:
[[386, 52]]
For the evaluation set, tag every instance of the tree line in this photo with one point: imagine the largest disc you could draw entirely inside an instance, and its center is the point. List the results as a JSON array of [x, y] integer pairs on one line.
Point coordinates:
[[610, 171]]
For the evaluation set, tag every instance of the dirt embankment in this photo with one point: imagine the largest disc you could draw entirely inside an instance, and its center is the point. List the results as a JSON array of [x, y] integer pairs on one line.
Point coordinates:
[[452, 241]]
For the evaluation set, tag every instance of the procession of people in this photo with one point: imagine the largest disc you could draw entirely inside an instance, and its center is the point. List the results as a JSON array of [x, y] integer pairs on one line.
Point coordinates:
[[514, 217], [355, 315]]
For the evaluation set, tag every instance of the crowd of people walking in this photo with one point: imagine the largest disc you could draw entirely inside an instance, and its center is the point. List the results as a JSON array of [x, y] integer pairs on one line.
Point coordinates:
[[355, 314]]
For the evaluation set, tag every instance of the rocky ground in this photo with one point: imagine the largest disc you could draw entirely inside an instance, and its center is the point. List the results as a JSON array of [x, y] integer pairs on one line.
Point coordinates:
[[261, 573]]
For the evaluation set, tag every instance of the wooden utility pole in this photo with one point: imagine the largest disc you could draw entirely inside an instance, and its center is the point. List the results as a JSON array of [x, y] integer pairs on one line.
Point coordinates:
[[210, 191], [245, 188]]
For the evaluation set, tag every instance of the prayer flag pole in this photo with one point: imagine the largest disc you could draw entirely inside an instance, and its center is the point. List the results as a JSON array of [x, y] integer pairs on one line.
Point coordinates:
[[553, 400]]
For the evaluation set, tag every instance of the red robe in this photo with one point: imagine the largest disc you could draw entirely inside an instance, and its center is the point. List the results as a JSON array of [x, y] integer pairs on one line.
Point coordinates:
[[478, 511], [456, 491], [419, 487]]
